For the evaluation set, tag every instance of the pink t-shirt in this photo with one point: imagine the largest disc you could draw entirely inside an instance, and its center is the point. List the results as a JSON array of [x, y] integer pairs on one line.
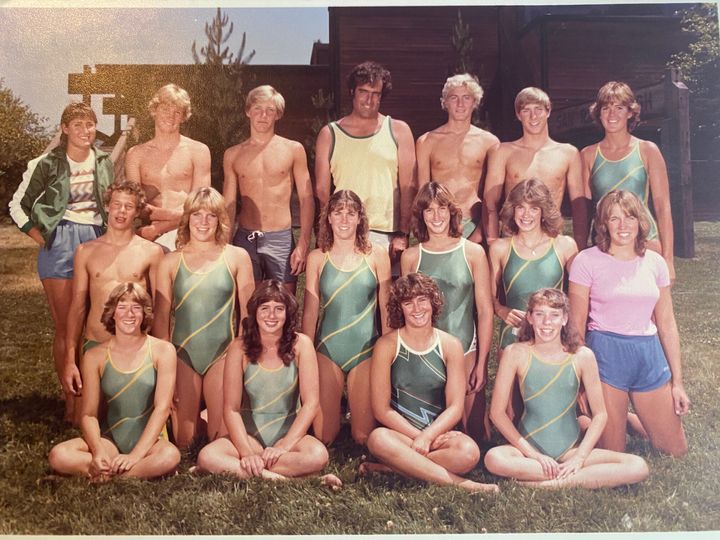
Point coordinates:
[[623, 294]]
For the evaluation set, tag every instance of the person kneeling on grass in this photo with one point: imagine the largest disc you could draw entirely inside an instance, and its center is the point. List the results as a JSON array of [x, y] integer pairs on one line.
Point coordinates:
[[136, 374], [546, 449], [270, 396], [417, 381]]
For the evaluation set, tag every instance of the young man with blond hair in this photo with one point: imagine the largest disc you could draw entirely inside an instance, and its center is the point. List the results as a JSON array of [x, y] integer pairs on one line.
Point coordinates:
[[261, 171], [168, 166], [535, 155], [454, 154]]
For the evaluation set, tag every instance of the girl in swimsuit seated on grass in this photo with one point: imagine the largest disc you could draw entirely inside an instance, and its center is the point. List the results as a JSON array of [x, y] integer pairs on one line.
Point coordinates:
[[136, 375], [547, 449], [270, 396]]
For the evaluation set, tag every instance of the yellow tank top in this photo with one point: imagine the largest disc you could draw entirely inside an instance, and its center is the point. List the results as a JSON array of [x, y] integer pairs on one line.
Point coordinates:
[[369, 167]]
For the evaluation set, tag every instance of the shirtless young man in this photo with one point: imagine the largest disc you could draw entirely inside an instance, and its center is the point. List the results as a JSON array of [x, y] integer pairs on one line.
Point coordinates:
[[372, 155], [118, 256], [454, 153], [535, 155], [168, 166], [262, 169]]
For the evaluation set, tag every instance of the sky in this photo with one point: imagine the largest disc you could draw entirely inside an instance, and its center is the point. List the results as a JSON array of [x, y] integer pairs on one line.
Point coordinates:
[[40, 46]]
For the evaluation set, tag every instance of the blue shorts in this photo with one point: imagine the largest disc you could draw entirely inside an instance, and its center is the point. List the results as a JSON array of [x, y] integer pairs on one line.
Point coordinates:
[[269, 252], [629, 363], [55, 260]]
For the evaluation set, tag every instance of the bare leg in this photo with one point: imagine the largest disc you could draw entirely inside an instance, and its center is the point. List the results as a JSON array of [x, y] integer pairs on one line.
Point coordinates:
[[602, 468], [162, 459], [636, 425], [616, 403], [326, 425], [188, 390], [73, 457], [221, 456], [362, 420], [476, 420], [59, 295], [655, 409], [393, 449], [308, 456], [212, 384], [516, 406]]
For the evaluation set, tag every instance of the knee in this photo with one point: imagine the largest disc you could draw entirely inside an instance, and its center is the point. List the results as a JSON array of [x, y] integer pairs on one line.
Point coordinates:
[[319, 457], [468, 455], [378, 442], [676, 449], [638, 467], [169, 458], [57, 458], [206, 461], [495, 463]]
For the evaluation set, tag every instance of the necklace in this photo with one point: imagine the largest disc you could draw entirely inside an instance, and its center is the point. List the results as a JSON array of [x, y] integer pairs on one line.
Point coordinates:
[[532, 249]]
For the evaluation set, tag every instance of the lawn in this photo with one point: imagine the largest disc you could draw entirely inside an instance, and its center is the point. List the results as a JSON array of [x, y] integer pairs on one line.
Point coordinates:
[[679, 495]]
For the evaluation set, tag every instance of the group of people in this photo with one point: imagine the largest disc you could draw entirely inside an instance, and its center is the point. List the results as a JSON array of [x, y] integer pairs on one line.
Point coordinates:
[[404, 331]]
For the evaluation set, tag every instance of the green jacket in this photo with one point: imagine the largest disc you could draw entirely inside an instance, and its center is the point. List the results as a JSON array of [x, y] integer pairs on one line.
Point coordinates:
[[43, 198]]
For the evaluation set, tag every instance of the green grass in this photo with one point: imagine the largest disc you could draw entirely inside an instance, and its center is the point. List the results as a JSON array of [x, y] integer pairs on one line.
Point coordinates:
[[679, 495]]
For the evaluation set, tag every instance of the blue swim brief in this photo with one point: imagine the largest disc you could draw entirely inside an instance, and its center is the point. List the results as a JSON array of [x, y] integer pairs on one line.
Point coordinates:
[[55, 260], [629, 363], [269, 252]]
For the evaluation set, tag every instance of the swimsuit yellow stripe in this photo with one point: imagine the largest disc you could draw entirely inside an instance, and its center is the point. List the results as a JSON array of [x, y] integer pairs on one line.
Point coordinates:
[[274, 421], [362, 315], [517, 275], [289, 389], [341, 287], [549, 383], [204, 326], [552, 420], [433, 369], [214, 360], [632, 171], [418, 398], [132, 381], [205, 275], [245, 383], [356, 356], [129, 418]]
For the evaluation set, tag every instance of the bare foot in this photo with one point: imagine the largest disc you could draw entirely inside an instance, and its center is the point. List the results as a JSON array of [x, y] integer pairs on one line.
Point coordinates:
[[269, 475], [332, 481], [476, 487], [368, 467]]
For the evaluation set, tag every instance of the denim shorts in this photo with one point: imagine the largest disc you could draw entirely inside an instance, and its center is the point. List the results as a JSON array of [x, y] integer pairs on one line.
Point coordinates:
[[629, 363], [55, 260]]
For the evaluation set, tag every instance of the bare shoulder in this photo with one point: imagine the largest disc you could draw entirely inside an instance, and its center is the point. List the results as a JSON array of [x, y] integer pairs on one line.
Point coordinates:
[[236, 254], [386, 342], [649, 148], [584, 357], [449, 343], [589, 150], [303, 344], [475, 251], [485, 136], [566, 149], [505, 149], [170, 260], [500, 247], [95, 356], [565, 243], [161, 347], [400, 127], [146, 245], [517, 353], [195, 146]]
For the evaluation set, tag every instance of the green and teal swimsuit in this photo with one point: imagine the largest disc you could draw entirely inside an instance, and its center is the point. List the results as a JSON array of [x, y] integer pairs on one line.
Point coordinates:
[[522, 277], [348, 302], [451, 271], [550, 392], [271, 399], [417, 380], [628, 173], [204, 311], [130, 398]]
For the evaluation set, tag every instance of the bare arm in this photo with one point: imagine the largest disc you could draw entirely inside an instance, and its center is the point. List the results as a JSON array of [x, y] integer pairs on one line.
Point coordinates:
[[579, 296], [244, 279], [424, 167], [498, 257], [322, 166], [230, 187], [301, 175], [311, 299], [155, 260], [89, 423], [670, 339], [132, 165], [484, 308], [232, 399], [201, 166], [578, 200], [660, 192], [587, 155], [407, 181], [492, 193], [383, 272], [163, 297], [76, 315]]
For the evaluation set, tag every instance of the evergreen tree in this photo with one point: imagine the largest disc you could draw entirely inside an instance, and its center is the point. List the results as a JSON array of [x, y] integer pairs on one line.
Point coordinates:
[[217, 95]]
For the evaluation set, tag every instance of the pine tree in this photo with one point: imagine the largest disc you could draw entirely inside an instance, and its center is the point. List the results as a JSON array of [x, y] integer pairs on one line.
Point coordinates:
[[218, 98]]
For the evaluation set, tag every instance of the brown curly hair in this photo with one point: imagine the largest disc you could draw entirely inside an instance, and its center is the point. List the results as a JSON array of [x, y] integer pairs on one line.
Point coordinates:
[[555, 299], [267, 291], [344, 198], [437, 193], [127, 291], [129, 187], [616, 92], [209, 199], [531, 191], [631, 205], [408, 287], [369, 73]]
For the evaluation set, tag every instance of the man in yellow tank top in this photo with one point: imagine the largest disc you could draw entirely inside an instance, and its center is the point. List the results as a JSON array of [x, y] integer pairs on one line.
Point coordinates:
[[372, 155]]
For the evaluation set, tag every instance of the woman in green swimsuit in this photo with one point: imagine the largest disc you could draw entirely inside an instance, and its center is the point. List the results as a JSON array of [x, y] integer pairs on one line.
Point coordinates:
[[547, 448], [347, 280], [270, 396], [460, 269], [622, 161], [199, 284], [418, 391], [532, 254], [135, 373]]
